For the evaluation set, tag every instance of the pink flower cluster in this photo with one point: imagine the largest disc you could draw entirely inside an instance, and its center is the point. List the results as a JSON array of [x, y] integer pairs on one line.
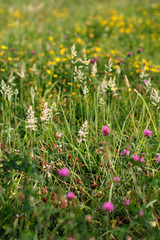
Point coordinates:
[[105, 131], [125, 152], [71, 196], [147, 133], [108, 206], [116, 179], [158, 158], [136, 158], [127, 201], [64, 172]]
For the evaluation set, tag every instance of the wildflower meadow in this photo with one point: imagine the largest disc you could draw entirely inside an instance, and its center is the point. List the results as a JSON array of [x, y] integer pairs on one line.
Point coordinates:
[[80, 120]]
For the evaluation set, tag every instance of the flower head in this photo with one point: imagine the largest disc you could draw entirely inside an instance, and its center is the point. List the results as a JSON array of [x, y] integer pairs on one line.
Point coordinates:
[[125, 152], [136, 158], [108, 206], [127, 201], [158, 158], [139, 50], [130, 54], [116, 179], [92, 60], [147, 133], [71, 196], [64, 172], [142, 160], [141, 213], [105, 131], [145, 82]]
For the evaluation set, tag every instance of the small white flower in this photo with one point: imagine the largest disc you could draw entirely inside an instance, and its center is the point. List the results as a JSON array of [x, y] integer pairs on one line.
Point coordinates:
[[31, 120], [94, 69], [154, 97], [83, 132], [109, 67], [32, 94], [73, 51], [46, 113]]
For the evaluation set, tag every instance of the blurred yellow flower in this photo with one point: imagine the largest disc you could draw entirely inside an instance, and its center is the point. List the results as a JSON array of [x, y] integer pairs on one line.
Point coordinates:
[[51, 38], [98, 49], [51, 52], [91, 35], [79, 40], [62, 51], [48, 71], [57, 59], [4, 47], [51, 63]]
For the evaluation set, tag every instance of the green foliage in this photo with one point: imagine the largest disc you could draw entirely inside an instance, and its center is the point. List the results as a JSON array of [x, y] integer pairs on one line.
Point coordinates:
[[55, 101]]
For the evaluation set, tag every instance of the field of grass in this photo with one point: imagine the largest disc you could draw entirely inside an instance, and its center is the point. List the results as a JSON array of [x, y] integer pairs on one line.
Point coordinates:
[[79, 120]]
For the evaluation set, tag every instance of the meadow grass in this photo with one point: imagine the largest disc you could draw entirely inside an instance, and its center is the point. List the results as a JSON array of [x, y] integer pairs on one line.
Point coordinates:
[[79, 120]]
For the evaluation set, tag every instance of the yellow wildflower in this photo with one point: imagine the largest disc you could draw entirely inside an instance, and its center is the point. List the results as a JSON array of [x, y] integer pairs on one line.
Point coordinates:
[[62, 51], [91, 35], [97, 49], [51, 52], [57, 59], [17, 14], [48, 71], [51, 63], [79, 40], [51, 39], [4, 47]]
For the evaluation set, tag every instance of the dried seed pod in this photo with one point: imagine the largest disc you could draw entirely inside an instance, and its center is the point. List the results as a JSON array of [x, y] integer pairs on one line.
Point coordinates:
[[78, 181], [44, 190], [54, 197], [64, 202]]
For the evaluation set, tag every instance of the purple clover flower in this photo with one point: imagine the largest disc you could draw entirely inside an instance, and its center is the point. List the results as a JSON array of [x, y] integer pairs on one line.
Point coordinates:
[[127, 201], [108, 206], [64, 172], [71, 196], [105, 131], [130, 54], [158, 158], [136, 158], [116, 179], [142, 160], [125, 152], [147, 133]]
